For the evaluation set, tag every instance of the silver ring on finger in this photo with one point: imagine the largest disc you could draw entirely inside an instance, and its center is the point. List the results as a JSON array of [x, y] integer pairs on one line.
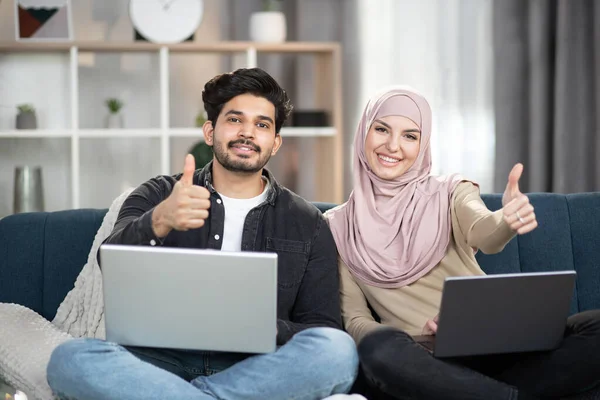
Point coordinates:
[[521, 220]]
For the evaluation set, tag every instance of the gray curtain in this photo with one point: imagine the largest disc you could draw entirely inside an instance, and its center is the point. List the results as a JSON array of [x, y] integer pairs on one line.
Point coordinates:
[[547, 93]]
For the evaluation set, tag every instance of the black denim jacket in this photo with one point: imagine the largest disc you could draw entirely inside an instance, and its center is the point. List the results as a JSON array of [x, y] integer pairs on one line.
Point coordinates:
[[308, 293]]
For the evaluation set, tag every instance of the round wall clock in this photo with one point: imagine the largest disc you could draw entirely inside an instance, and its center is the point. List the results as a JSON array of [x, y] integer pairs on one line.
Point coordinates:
[[166, 21]]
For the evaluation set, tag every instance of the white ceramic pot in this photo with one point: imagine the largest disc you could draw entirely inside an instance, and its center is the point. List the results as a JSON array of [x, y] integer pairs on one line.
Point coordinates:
[[268, 26], [114, 121]]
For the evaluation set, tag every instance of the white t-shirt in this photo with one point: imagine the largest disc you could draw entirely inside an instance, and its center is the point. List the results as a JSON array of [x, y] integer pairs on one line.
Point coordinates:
[[235, 217]]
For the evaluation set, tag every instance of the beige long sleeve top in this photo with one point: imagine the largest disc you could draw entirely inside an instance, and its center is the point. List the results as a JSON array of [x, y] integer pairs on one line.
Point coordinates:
[[408, 308]]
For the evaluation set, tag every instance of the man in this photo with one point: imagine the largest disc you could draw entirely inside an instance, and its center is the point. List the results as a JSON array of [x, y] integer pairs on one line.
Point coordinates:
[[231, 204]]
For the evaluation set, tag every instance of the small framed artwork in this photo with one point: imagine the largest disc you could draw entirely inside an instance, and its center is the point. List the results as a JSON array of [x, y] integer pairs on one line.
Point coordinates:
[[43, 20]]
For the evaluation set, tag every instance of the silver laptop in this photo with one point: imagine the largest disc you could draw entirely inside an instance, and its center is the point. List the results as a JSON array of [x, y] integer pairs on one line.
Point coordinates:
[[502, 313], [189, 298]]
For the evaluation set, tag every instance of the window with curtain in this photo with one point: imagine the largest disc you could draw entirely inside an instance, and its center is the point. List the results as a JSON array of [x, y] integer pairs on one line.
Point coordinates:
[[443, 48]]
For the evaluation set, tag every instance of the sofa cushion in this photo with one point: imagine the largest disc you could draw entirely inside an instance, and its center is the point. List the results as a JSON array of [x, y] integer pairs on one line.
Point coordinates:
[[68, 237], [42, 254], [323, 206], [584, 214], [547, 248]]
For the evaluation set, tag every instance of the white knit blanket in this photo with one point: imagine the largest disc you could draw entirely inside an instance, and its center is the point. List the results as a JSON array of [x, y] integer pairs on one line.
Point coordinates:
[[27, 339]]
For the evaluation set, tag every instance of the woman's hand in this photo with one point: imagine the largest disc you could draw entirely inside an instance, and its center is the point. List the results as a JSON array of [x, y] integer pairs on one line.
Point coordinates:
[[517, 211], [431, 326]]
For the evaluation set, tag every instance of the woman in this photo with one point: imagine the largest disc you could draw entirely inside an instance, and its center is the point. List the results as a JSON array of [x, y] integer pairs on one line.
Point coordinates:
[[400, 234]]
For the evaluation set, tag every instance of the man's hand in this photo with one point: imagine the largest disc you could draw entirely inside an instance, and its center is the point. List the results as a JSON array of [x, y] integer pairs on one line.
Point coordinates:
[[518, 213], [185, 208], [431, 326]]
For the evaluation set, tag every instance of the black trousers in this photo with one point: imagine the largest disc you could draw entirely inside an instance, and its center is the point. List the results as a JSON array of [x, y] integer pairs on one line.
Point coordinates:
[[393, 366]]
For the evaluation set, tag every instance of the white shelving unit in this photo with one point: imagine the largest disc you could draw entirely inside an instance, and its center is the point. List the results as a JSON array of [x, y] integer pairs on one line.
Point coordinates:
[[329, 177]]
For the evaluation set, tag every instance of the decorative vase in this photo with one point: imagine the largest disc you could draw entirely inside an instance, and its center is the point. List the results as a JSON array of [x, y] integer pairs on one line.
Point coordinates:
[[28, 190], [114, 121], [268, 26], [26, 120]]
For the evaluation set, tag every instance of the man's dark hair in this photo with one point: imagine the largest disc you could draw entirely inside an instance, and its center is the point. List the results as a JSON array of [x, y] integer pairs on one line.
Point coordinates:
[[222, 88]]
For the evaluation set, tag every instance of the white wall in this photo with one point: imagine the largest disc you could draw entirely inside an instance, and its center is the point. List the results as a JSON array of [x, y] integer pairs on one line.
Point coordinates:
[[108, 166]]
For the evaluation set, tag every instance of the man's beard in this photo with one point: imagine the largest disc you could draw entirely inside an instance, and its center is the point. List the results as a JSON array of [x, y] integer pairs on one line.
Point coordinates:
[[238, 163]]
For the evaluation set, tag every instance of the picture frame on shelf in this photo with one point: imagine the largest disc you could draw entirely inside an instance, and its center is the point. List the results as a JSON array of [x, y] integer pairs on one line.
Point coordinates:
[[43, 20]]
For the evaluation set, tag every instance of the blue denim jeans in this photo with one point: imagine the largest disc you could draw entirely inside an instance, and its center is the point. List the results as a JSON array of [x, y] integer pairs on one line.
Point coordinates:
[[314, 364]]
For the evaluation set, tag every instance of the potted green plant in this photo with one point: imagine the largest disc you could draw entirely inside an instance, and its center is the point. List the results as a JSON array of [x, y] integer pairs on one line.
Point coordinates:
[[114, 119], [26, 118], [202, 152], [268, 25]]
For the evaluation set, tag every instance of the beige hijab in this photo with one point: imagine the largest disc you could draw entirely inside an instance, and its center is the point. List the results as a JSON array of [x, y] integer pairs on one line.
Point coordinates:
[[391, 233]]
